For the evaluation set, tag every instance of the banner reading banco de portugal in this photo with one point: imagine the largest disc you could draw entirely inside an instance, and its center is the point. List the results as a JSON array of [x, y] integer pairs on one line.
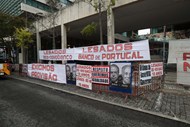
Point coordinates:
[[135, 51]]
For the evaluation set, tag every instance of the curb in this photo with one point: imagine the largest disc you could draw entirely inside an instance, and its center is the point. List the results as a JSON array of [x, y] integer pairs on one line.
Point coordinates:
[[107, 102]]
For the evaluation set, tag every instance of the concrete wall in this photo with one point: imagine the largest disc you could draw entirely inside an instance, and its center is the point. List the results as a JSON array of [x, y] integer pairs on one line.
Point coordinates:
[[75, 12]]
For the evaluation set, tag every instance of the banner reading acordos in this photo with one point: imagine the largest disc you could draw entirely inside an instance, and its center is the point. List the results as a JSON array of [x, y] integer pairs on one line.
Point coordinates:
[[156, 69], [136, 51], [49, 72], [84, 76]]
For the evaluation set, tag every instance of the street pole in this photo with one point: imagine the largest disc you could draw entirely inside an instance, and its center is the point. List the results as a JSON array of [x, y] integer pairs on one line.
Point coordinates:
[[164, 53], [164, 46]]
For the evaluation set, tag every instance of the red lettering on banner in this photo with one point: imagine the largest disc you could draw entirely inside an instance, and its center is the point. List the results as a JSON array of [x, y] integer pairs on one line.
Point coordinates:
[[84, 85], [110, 48], [102, 49], [119, 47], [134, 55], [186, 56], [95, 48], [156, 64], [80, 78], [83, 50], [186, 66], [86, 56], [90, 49], [122, 56], [128, 46], [48, 52], [128, 55], [138, 55], [45, 76], [43, 67]]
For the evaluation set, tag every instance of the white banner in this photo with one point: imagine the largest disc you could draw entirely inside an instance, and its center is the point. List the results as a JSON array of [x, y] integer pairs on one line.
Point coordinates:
[[71, 73], [84, 76], [183, 69], [25, 68], [1, 66], [156, 69], [101, 74], [136, 51], [145, 74], [120, 74], [176, 49], [48, 72], [57, 54]]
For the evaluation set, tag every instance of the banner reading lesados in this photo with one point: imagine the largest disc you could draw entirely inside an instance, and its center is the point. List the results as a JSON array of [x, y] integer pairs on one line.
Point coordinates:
[[57, 54], [49, 72], [84, 76], [136, 51], [101, 74], [156, 69]]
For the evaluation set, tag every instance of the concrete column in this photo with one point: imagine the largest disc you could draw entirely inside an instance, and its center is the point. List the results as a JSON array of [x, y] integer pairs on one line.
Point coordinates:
[[21, 56], [38, 41], [110, 26], [63, 39]]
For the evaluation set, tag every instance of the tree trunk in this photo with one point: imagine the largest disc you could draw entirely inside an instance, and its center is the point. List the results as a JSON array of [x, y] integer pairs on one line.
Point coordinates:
[[23, 55], [100, 23], [54, 45]]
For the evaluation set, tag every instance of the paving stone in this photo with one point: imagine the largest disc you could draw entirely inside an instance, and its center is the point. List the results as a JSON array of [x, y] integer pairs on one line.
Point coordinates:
[[172, 103]]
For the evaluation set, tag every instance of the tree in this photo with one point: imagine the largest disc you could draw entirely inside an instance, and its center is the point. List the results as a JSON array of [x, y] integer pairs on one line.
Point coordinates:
[[7, 26], [99, 6], [51, 19], [7, 29], [23, 37]]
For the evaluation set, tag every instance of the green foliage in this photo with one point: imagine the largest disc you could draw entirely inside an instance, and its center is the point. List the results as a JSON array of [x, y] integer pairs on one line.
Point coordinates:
[[8, 24], [96, 3], [112, 2], [89, 29], [23, 37]]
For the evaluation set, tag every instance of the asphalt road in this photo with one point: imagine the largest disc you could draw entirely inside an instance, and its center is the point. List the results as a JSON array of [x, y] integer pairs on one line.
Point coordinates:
[[24, 104]]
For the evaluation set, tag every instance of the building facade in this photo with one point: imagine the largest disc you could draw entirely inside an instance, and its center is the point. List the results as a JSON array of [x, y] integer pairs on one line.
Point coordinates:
[[120, 23]]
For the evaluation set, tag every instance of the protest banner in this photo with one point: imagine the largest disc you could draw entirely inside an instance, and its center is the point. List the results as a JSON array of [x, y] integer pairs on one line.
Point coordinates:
[[145, 74], [71, 73], [56, 54], [48, 72], [156, 69], [101, 75], [136, 51], [177, 48], [84, 76], [183, 69], [121, 77]]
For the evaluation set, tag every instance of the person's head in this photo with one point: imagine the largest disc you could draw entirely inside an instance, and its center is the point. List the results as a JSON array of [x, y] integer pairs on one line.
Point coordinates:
[[114, 72], [74, 71], [68, 70], [126, 74]]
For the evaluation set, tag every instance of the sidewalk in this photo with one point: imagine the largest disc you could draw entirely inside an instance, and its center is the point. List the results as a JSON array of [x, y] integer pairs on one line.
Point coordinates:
[[169, 103]]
